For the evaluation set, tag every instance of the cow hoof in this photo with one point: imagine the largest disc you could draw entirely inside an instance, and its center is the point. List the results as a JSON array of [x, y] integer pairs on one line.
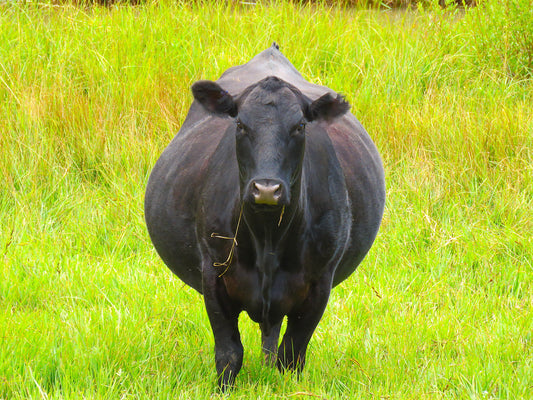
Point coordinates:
[[269, 359]]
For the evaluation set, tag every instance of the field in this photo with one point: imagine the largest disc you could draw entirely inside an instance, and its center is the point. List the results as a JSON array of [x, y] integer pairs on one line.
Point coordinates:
[[89, 97]]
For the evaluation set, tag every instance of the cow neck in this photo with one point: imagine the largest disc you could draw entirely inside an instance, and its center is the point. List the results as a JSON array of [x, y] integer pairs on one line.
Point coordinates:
[[268, 230]]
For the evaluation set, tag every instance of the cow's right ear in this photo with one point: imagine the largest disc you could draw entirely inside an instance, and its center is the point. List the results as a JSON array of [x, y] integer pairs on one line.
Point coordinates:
[[214, 99]]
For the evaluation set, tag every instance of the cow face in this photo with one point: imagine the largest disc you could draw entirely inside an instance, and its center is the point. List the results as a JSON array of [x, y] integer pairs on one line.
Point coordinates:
[[270, 119]]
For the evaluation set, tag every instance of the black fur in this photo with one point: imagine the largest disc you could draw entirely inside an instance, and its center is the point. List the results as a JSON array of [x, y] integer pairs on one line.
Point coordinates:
[[323, 198]]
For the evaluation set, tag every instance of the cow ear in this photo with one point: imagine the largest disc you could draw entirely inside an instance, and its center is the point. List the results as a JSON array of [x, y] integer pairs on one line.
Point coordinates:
[[214, 99], [327, 107]]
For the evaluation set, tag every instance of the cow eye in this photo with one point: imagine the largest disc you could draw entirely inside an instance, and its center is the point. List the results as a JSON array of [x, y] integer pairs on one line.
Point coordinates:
[[240, 126], [300, 128]]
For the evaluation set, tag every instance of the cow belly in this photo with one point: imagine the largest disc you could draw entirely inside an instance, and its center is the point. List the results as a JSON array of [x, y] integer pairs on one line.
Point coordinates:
[[287, 291]]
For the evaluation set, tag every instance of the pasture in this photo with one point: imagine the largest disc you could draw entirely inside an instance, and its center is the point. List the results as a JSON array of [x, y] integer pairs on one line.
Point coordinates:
[[441, 308]]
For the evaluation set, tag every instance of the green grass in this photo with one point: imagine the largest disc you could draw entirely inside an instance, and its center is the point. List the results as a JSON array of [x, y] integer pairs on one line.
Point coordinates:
[[89, 97]]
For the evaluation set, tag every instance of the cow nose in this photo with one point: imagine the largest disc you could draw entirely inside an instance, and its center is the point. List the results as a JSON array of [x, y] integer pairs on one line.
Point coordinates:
[[266, 191]]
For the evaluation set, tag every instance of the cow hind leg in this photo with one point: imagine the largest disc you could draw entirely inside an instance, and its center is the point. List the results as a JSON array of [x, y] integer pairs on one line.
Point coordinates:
[[269, 342]]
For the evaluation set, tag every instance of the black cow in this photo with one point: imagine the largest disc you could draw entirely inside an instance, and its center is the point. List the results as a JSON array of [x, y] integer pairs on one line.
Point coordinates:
[[270, 194]]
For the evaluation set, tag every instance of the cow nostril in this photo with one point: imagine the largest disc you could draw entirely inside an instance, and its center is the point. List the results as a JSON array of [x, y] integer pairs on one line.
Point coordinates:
[[255, 190], [266, 192]]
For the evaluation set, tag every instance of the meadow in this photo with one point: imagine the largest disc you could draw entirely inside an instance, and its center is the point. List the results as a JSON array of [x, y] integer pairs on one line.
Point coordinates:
[[441, 308]]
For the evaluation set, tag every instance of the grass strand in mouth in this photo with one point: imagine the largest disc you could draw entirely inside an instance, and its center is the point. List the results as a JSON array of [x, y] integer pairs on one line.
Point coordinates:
[[281, 215], [234, 244]]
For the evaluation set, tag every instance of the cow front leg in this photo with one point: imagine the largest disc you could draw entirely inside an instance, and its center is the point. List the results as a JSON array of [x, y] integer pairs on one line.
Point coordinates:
[[228, 352], [301, 323], [224, 318]]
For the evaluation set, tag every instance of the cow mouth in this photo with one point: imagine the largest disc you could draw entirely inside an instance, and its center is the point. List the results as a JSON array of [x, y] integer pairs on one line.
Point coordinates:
[[266, 214], [259, 208]]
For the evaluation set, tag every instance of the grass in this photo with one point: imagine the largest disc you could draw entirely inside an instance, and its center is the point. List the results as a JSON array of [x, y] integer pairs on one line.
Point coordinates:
[[90, 96]]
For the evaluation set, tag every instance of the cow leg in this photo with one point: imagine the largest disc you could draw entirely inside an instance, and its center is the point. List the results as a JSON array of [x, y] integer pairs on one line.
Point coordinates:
[[301, 323], [269, 343], [224, 318]]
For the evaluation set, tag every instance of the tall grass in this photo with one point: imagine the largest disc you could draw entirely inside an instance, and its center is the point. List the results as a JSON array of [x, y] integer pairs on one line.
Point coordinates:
[[89, 97]]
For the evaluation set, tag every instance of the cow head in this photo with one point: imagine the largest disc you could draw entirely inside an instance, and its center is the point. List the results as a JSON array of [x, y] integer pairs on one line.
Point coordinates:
[[270, 119]]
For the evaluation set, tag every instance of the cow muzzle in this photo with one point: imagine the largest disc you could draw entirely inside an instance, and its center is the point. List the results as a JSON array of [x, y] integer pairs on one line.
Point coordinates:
[[267, 192]]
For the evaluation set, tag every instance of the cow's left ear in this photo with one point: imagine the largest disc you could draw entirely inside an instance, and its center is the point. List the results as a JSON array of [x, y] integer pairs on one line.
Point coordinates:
[[214, 99], [327, 107]]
